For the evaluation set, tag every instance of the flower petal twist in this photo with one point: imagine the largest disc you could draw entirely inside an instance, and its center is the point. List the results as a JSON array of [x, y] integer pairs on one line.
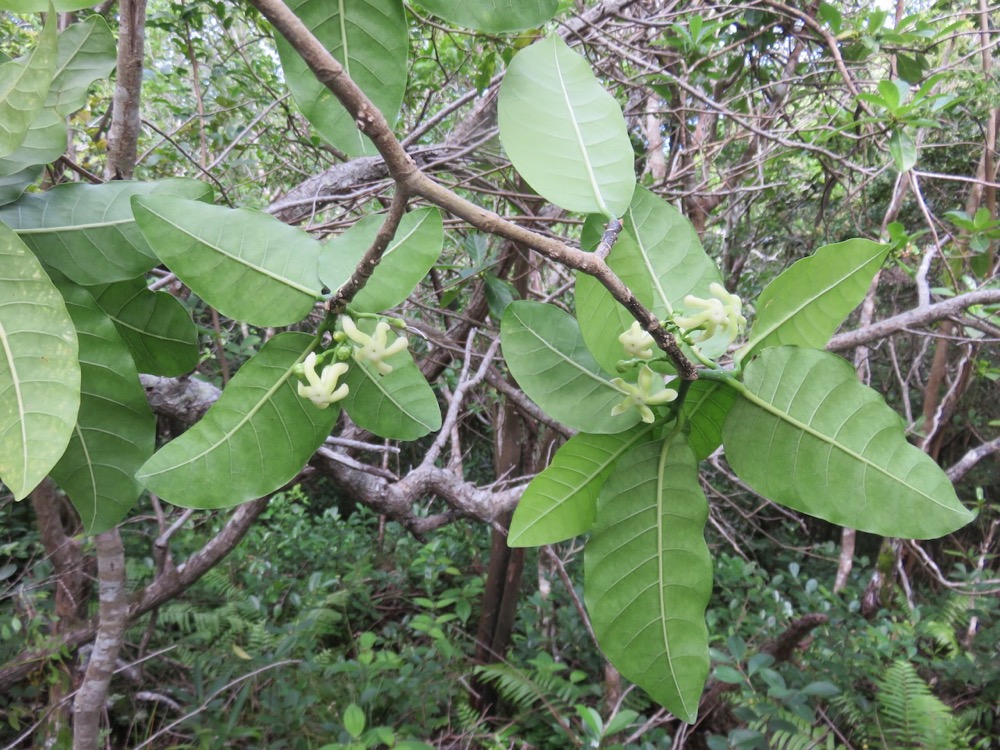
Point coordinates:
[[637, 342], [641, 395], [373, 348], [322, 389], [721, 310]]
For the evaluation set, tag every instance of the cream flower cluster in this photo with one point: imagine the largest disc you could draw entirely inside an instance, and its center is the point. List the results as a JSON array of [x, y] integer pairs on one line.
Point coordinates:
[[643, 394], [373, 348], [637, 342], [721, 310], [322, 389]]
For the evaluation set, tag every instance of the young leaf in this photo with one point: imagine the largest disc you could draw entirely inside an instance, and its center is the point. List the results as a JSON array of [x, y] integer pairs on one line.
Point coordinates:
[[494, 16], [399, 405], [546, 354], [254, 439], [806, 304], [86, 54], [705, 408], [563, 132], [23, 87], [369, 38], [806, 434], [155, 326], [39, 369], [409, 257], [87, 231], [560, 502], [115, 430], [247, 265], [648, 574]]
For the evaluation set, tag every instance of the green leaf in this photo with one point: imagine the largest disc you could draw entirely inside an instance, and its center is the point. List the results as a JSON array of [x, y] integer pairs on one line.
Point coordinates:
[[155, 327], [354, 720], [563, 132], [39, 369], [499, 294], [903, 150], [705, 408], [247, 265], [253, 440], [408, 259], [87, 231], [560, 502], [44, 143], [369, 38], [115, 430], [12, 186], [648, 574], [806, 434], [806, 304], [494, 16], [546, 354], [24, 85], [86, 54], [399, 406], [24, 7]]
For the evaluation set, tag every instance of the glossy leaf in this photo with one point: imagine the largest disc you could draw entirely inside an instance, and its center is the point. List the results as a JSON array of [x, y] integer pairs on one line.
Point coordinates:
[[400, 405], [560, 503], [806, 304], [87, 231], [369, 38], [44, 142], [408, 259], [247, 265], [24, 85], [705, 408], [546, 354], [155, 327], [39, 369], [648, 574], [806, 434], [115, 430], [494, 16], [86, 54], [563, 132], [253, 440]]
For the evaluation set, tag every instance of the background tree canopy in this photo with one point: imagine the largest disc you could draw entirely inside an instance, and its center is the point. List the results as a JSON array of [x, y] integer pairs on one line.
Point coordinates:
[[523, 374]]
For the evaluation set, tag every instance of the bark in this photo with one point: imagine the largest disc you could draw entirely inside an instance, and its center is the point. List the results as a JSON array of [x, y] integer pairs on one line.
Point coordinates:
[[113, 619], [123, 137]]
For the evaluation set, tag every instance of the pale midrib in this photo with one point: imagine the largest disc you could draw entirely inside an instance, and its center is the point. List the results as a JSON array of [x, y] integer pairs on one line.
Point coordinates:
[[239, 425], [570, 360], [75, 227], [660, 472], [398, 404], [594, 186], [786, 417], [90, 466], [4, 339], [649, 266], [236, 259]]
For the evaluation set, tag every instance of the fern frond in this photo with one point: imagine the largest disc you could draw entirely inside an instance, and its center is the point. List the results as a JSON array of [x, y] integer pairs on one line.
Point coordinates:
[[911, 715]]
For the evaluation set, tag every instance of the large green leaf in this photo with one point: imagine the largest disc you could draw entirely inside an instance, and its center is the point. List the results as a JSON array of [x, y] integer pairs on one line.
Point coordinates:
[[23, 87], [806, 304], [648, 574], [560, 502], [12, 186], [563, 132], [805, 433], [87, 231], [546, 354], [400, 405], [660, 258], [409, 257], [44, 143], [494, 16], [247, 265], [41, 6], [369, 38], [155, 327], [39, 369], [115, 431], [705, 409], [254, 439], [86, 54]]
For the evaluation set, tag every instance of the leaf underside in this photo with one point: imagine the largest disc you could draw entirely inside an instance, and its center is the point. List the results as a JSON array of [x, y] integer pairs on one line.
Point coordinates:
[[494, 16]]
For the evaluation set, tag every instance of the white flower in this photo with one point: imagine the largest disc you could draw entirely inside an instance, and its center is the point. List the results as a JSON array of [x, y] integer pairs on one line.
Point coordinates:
[[373, 348], [721, 310], [637, 342], [641, 396], [322, 389]]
